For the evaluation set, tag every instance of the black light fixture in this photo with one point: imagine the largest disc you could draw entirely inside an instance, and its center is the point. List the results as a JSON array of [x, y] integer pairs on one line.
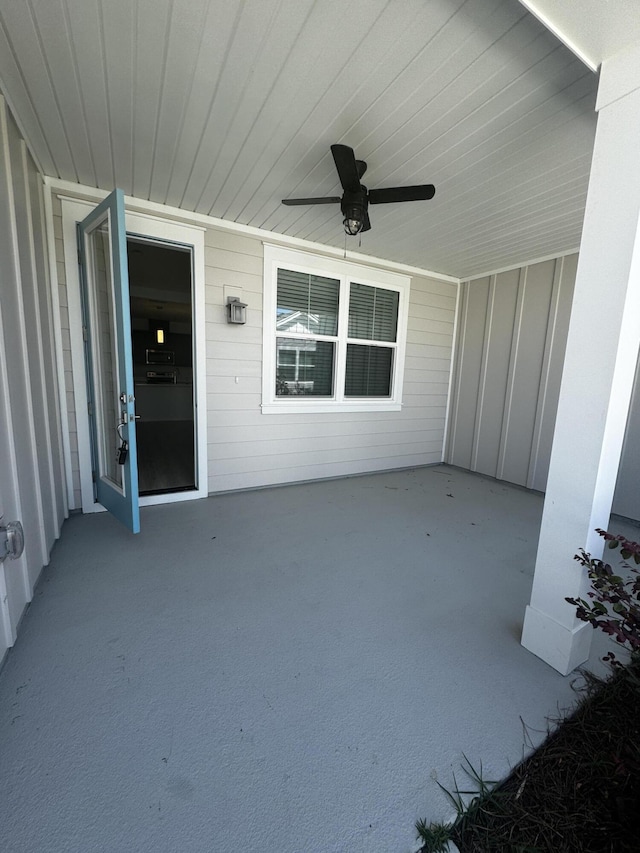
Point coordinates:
[[353, 219], [354, 210]]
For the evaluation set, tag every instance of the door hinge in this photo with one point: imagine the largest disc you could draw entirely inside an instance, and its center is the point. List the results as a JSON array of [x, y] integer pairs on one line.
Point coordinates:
[[85, 334], [93, 476], [90, 409], [79, 258]]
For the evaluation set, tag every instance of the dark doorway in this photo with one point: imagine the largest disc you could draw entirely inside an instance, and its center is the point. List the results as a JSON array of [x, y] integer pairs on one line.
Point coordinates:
[[160, 284]]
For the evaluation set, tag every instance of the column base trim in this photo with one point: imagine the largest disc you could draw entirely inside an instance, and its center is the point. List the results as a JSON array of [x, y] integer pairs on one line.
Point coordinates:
[[562, 648]]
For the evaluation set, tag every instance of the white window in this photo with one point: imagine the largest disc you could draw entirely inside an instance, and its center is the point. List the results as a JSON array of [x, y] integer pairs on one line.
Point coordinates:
[[334, 334]]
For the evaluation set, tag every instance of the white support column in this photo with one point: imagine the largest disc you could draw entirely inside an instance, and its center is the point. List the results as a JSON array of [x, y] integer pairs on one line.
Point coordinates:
[[597, 381]]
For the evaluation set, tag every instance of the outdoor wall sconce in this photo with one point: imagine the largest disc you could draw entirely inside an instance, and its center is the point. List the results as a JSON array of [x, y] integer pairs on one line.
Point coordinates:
[[236, 310]]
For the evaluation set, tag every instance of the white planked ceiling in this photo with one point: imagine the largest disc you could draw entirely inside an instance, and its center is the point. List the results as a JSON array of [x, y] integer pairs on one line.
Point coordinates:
[[225, 107]]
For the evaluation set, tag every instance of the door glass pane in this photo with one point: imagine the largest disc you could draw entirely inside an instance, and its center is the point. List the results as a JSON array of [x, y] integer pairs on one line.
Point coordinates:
[[368, 371], [373, 313], [105, 356], [307, 304], [163, 372], [304, 367]]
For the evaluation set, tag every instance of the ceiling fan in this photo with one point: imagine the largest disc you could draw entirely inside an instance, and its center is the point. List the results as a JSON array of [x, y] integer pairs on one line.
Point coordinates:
[[356, 197]]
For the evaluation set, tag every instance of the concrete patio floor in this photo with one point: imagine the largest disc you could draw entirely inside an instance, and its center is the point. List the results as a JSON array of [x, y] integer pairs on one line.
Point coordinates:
[[277, 671]]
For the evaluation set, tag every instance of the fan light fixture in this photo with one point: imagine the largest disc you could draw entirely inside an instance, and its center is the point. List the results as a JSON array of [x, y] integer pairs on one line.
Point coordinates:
[[356, 198], [353, 220]]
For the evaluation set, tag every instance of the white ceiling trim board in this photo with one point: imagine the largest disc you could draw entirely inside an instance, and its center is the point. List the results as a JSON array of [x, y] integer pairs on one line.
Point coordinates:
[[544, 19], [91, 194], [521, 265]]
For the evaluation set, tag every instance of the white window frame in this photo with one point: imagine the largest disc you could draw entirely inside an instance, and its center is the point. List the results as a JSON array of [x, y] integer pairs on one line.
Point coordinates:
[[276, 257]]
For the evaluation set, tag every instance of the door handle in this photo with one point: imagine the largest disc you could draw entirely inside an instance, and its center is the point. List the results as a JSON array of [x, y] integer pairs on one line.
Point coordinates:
[[11, 540]]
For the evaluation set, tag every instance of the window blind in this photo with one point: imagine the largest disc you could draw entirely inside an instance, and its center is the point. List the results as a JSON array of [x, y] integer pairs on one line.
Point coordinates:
[[373, 313], [310, 300], [368, 371]]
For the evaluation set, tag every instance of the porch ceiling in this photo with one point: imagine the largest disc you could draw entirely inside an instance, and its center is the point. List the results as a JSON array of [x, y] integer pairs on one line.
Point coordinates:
[[226, 108]]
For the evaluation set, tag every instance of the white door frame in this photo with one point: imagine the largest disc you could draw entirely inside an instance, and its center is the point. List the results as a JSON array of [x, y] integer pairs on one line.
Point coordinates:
[[154, 227], [7, 485]]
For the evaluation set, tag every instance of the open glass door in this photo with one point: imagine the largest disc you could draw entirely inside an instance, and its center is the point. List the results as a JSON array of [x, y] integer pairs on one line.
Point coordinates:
[[102, 244]]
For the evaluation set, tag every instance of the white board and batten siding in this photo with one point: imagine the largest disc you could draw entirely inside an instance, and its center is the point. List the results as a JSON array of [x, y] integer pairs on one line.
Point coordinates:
[[512, 336], [510, 353], [249, 449], [32, 482]]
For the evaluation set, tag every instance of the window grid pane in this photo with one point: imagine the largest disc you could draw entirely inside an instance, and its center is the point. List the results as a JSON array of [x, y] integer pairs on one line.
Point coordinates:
[[304, 367], [368, 372], [373, 313], [307, 304]]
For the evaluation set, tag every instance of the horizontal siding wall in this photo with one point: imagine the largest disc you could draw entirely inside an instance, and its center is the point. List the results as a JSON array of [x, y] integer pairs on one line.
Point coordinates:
[[32, 483], [513, 329], [248, 449]]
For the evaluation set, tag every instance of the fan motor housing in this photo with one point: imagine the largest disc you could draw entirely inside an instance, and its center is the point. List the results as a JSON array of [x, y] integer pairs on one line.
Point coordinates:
[[354, 204]]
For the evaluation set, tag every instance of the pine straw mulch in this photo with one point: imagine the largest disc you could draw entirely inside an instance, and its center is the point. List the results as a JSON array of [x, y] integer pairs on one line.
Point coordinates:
[[579, 791]]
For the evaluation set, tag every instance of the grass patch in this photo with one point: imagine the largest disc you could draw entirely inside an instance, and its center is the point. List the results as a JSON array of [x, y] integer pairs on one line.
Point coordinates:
[[579, 792]]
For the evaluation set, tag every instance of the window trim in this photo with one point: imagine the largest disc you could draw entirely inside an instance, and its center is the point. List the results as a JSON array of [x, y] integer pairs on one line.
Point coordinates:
[[346, 272]]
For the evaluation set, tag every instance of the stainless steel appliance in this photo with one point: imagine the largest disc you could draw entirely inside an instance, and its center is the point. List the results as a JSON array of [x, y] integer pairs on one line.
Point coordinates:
[[161, 377], [160, 356]]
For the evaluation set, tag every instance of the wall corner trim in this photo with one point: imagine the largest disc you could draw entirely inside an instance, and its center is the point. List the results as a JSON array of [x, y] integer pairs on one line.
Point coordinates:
[[619, 77]]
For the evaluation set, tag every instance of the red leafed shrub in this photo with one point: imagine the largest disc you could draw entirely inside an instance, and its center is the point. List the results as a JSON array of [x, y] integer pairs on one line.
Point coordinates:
[[614, 604]]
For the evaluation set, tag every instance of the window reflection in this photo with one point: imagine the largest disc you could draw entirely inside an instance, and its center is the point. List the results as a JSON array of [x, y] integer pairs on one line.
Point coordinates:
[[304, 367]]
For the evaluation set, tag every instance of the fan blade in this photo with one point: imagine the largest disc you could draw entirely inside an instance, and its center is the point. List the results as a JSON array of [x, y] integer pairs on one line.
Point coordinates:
[[333, 199], [421, 192], [345, 161]]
